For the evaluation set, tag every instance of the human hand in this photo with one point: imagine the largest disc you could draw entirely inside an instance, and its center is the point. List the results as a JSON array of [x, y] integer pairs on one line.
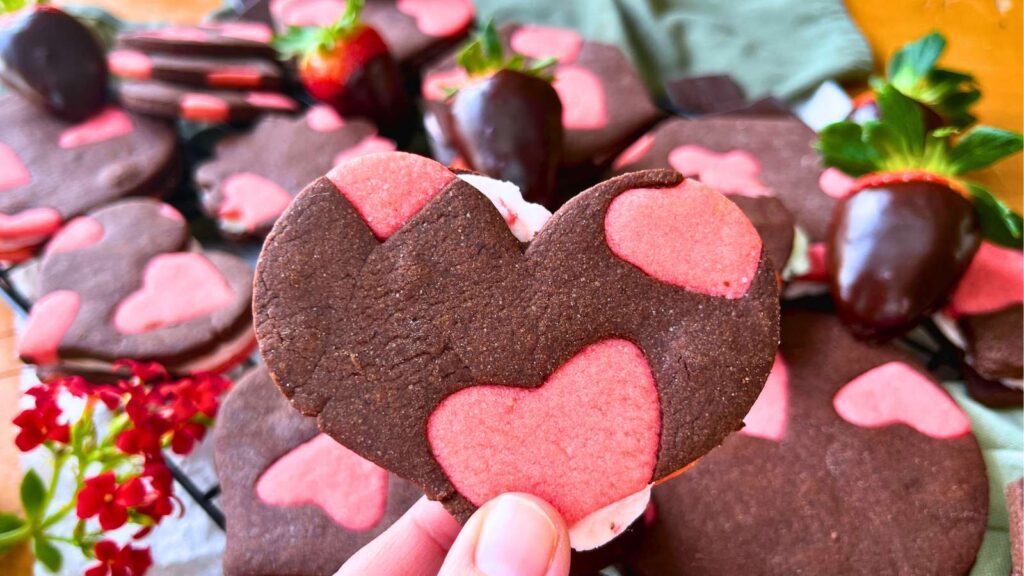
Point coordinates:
[[512, 535]]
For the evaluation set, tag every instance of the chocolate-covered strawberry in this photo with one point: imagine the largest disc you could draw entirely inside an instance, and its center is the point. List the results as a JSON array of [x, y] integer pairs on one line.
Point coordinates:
[[944, 96], [53, 60], [348, 66], [904, 235], [506, 118]]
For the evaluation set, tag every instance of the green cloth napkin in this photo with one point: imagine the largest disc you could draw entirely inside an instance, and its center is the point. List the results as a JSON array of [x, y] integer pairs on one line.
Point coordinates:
[[785, 48], [1000, 434]]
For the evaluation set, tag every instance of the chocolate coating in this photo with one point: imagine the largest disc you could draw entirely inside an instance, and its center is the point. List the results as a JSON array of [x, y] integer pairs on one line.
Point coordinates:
[[705, 94], [54, 60], [895, 254]]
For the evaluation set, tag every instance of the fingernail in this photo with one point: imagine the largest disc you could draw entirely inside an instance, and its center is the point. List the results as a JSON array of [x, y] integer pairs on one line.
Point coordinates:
[[517, 539]]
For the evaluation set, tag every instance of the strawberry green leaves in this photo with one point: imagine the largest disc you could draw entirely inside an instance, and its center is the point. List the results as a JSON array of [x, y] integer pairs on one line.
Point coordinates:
[[912, 70], [485, 55], [983, 146], [302, 40]]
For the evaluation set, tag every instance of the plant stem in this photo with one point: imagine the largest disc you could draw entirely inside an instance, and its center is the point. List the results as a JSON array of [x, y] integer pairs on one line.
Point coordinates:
[[15, 536]]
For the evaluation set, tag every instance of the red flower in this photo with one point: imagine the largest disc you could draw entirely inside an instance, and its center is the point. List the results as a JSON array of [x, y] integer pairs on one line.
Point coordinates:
[[159, 500], [144, 371], [185, 436], [115, 561], [101, 495], [40, 423]]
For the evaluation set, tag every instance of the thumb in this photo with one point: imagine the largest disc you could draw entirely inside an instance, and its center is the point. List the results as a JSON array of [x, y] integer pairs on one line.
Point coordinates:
[[512, 535]]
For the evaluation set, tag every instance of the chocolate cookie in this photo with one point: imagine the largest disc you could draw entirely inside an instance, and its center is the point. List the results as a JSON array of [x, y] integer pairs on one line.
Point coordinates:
[[296, 502], [1015, 503], [201, 105], [254, 176], [633, 332], [605, 105], [202, 71], [852, 461], [734, 170], [985, 317], [227, 39], [128, 281], [51, 171], [414, 30]]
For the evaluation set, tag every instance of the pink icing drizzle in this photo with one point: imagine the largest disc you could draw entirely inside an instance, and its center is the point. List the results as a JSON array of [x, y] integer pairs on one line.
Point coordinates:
[[769, 415], [107, 125], [634, 152], [252, 200], [49, 321], [388, 188], [79, 233], [367, 145], [175, 288], [543, 42], [270, 100], [438, 18], [130, 64], [994, 280], [584, 105], [29, 223], [733, 172], [613, 452], [204, 108], [352, 491], [687, 235], [323, 118], [13, 172], [895, 393], [835, 183]]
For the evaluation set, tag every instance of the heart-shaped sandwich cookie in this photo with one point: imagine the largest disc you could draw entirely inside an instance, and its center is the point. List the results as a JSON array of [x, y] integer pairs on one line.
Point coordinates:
[[625, 341], [52, 171], [128, 281], [296, 501], [853, 461]]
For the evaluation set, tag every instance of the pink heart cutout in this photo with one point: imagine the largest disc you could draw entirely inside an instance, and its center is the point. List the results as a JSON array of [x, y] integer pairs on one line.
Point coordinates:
[[31, 223], [107, 125], [604, 453], [634, 152], [438, 18], [541, 42], [835, 183], [367, 145], [895, 393], [769, 416], [733, 172], [584, 104], [687, 235], [352, 491], [306, 12], [13, 172], [50, 319], [175, 288], [994, 280], [79, 233], [251, 200]]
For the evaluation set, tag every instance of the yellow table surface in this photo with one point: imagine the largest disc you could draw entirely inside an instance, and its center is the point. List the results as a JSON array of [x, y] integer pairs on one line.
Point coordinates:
[[984, 37]]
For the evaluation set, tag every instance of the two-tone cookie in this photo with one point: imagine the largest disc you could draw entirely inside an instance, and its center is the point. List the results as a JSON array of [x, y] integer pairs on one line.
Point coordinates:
[[224, 39], [201, 71], [128, 281], [52, 171], [199, 105], [853, 461]]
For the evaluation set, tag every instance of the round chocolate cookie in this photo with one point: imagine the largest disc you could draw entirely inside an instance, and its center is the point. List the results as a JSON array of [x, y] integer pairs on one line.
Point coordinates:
[[202, 71], [128, 282], [296, 502], [254, 176], [201, 105], [734, 170], [229, 39], [634, 332], [852, 461], [51, 171]]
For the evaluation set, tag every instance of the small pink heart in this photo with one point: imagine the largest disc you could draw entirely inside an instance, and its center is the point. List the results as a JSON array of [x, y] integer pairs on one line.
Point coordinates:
[[51, 317], [895, 393], [769, 415], [323, 473], [438, 18], [251, 200], [323, 118], [251, 31], [994, 280], [367, 145], [107, 125], [733, 172], [634, 152], [79, 233], [13, 172], [584, 105], [688, 236], [437, 84], [541, 42], [835, 183], [31, 223], [175, 288], [130, 64], [204, 108], [604, 453], [306, 12]]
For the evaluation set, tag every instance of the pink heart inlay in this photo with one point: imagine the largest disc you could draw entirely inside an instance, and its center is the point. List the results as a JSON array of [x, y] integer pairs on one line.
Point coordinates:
[[31, 223], [323, 118], [438, 18], [251, 200], [107, 125], [306, 12], [994, 280], [687, 235], [13, 172], [769, 415], [352, 491], [251, 31], [437, 84], [270, 100], [388, 188], [733, 172], [584, 104], [367, 145], [239, 77], [50, 319], [895, 393], [634, 152], [130, 64], [541, 42], [204, 108], [175, 288], [604, 453], [79, 233], [835, 183]]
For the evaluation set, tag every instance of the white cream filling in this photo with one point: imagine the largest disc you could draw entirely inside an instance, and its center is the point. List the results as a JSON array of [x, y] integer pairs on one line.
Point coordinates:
[[524, 218]]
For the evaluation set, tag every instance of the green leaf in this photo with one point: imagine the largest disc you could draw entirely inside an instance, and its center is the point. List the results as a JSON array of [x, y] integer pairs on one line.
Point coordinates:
[[983, 146], [12, 5], [842, 145], [915, 60], [485, 54], [299, 41], [33, 495], [905, 118], [48, 554], [999, 223], [10, 522]]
